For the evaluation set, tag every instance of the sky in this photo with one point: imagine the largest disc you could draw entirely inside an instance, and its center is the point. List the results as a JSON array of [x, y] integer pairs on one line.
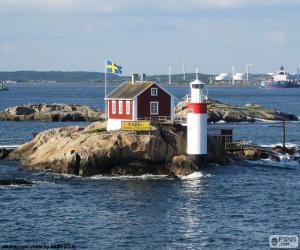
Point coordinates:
[[149, 36]]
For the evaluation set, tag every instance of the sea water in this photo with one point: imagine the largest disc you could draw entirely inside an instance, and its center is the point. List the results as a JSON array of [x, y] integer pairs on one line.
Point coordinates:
[[233, 207]]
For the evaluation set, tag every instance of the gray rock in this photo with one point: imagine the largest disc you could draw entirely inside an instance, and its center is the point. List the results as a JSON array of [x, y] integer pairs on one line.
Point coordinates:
[[52, 112], [218, 111], [182, 165]]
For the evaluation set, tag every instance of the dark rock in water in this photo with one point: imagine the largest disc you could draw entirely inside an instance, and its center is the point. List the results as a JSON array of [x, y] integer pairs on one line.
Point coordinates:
[[7, 182], [4, 153], [22, 111], [174, 176], [255, 152], [182, 165], [137, 169], [284, 150]]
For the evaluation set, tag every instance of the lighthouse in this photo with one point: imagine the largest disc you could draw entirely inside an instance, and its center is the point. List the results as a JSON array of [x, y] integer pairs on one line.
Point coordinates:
[[197, 120]]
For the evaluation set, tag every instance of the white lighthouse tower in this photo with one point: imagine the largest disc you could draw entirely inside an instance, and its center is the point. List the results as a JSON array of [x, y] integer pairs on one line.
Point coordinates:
[[197, 120]]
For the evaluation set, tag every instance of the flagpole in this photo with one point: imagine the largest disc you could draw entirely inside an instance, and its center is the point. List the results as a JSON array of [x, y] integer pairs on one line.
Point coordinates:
[[105, 91]]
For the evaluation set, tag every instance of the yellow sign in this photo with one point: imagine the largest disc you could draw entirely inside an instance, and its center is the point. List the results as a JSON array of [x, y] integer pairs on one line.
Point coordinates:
[[136, 125]]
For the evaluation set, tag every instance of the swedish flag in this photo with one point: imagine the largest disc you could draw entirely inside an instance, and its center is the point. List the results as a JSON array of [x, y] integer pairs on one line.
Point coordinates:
[[113, 68]]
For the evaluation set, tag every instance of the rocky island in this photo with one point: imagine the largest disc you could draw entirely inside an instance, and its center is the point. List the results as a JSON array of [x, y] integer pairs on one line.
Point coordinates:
[[52, 112], [217, 111], [93, 150]]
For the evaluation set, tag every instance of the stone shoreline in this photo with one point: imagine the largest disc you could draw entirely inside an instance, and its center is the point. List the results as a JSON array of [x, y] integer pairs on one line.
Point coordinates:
[[92, 150]]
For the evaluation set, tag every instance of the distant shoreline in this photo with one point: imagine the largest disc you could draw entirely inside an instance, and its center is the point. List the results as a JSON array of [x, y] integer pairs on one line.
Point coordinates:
[[118, 83], [54, 77]]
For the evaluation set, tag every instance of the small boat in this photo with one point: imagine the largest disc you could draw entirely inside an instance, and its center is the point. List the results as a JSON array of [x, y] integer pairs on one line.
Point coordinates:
[[3, 87], [280, 79]]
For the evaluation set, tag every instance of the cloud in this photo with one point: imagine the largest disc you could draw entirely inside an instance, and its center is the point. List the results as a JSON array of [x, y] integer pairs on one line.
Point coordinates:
[[6, 48], [277, 37], [64, 5], [111, 6], [36, 3]]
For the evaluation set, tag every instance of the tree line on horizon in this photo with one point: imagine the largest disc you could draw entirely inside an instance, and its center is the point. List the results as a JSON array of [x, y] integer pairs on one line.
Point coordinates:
[[97, 77]]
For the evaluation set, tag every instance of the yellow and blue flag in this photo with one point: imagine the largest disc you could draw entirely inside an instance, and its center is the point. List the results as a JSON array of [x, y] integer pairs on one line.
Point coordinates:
[[113, 68]]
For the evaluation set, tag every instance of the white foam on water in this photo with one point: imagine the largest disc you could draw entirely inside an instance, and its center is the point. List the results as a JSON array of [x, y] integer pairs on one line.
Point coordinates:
[[129, 177], [41, 182], [55, 175], [221, 121], [102, 177], [195, 175], [284, 163], [15, 186], [265, 120], [273, 145], [150, 176], [295, 121], [285, 157]]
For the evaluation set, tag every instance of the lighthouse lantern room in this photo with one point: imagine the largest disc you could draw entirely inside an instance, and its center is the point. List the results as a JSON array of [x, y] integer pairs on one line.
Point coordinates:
[[197, 119]]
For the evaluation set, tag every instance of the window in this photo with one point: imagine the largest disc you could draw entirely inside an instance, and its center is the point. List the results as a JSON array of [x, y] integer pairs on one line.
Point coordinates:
[[153, 108], [113, 107], [120, 107], [127, 107], [153, 91]]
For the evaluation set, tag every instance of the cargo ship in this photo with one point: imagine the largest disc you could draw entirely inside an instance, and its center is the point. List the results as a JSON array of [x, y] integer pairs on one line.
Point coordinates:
[[280, 79]]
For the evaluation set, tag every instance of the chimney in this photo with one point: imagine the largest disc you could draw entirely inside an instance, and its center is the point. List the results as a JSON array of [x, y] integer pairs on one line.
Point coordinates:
[[143, 77], [134, 78]]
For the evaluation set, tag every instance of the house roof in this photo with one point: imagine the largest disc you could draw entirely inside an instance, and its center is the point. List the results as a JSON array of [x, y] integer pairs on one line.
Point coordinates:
[[129, 90]]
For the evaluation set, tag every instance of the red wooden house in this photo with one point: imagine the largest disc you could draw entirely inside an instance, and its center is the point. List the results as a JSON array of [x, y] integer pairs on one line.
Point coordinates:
[[138, 100]]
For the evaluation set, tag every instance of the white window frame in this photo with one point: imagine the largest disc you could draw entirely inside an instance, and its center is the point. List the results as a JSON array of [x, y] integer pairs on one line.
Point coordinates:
[[154, 91], [157, 108], [113, 107], [127, 107], [120, 107]]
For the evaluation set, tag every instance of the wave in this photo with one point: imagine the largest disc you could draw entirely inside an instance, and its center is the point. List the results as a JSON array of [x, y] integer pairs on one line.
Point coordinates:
[[15, 186], [195, 175], [54, 175], [129, 177], [274, 121], [285, 163], [267, 121], [273, 145]]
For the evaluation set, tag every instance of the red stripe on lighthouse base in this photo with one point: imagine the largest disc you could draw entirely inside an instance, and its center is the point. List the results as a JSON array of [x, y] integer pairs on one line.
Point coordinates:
[[198, 108]]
